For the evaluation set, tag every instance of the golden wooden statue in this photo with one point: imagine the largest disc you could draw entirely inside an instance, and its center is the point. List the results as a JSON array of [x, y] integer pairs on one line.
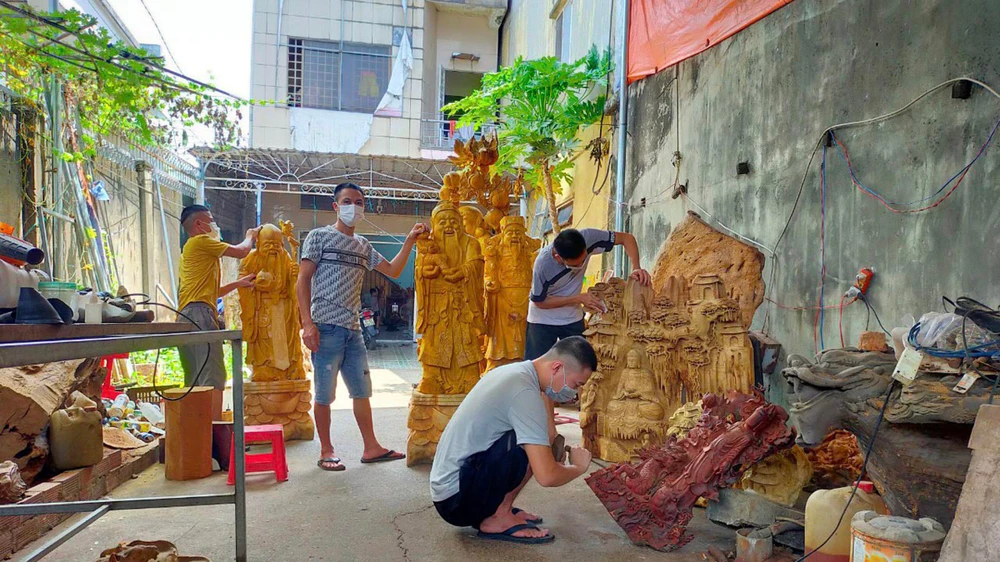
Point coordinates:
[[450, 319], [510, 257], [780, 477], [278, 392], [654, 347]]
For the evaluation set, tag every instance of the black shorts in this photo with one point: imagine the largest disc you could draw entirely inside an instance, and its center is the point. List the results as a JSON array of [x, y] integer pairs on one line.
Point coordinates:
[[484, 479], [540, 338]]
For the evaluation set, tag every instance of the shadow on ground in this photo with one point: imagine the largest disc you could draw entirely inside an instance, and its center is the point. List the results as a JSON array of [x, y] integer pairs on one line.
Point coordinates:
[[378, 512]]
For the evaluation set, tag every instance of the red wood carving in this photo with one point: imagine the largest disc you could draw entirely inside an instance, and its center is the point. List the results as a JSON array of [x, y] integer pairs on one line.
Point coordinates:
[[652, 498]]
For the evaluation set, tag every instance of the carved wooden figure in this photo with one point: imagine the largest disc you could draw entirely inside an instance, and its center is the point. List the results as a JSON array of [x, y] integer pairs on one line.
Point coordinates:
[[510, 256], [655, 348], [652, 499], [449, 317], [278, 392]]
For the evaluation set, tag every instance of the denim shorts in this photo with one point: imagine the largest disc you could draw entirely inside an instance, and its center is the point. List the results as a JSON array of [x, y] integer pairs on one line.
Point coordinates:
[[340, 350]]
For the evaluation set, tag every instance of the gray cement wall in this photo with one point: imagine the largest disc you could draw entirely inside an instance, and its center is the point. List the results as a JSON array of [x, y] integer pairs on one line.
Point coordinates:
[[766, 95]]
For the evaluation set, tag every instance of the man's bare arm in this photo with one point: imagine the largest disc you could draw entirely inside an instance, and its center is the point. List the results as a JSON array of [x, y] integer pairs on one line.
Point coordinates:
[[303, 292], [551, 474]]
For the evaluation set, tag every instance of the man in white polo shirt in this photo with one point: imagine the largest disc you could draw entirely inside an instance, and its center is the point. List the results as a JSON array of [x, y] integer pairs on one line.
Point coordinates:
[[498, 439], [557, 302]]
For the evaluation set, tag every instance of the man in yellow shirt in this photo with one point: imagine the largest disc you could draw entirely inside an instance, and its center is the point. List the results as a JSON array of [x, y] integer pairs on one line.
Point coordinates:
[[199, 292]]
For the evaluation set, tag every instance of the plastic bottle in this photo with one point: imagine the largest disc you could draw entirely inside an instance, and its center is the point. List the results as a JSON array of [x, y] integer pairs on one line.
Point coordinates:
[[76, 438], [823, 511], [93, 309]]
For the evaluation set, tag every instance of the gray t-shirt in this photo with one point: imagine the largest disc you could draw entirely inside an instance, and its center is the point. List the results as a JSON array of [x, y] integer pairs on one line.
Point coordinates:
[[553, 279], [341, 262], [506, 398]]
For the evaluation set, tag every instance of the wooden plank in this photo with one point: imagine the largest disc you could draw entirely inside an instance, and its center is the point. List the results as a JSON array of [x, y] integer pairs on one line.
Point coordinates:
[[14, 333]]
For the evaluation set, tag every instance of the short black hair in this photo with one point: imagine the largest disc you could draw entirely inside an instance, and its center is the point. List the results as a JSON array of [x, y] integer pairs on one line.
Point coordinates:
[[570, 244], [579, 349], [192, 209], [346, 185], [373, 290]]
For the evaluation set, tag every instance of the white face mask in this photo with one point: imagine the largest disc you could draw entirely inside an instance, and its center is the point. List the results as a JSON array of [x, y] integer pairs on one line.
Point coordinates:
[[350, 214], [215, 233]]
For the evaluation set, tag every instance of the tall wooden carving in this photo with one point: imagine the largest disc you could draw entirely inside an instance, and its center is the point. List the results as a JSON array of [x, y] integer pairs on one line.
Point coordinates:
[[510, 256], [278, 391], [655, 351]]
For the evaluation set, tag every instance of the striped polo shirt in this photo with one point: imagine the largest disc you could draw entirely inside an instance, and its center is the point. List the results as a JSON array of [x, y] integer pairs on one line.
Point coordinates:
[[341, 263]]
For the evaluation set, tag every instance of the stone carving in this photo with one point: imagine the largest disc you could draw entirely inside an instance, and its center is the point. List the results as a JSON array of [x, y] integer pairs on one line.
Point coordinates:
[[926, 433], [449, 292], [836, 461], [278, 392], [653, 349], [684, 419], [695, 248], [652, 499], [510, 257], [780, 477], [12, 487]]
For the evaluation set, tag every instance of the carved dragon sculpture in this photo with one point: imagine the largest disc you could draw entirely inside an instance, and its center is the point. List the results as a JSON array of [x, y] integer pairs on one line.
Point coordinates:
[[652, 499], [925, 434]]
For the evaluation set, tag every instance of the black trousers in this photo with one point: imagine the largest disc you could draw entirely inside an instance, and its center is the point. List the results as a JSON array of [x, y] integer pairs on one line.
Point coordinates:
[[540, 338], [484, 479]]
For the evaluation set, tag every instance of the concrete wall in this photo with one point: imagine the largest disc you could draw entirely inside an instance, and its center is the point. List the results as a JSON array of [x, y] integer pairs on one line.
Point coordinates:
[[766, 95], [286, 206], [359, 21]]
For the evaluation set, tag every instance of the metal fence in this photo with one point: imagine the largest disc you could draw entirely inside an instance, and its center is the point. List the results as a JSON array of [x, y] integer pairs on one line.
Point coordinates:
[[437, 132]]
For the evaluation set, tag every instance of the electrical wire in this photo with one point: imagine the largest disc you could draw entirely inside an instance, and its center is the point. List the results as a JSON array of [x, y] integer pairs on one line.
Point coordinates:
[[147, 301], [123, 53], [864, 468], [819, 344], [873, 311], [160, 33], [821, 140]]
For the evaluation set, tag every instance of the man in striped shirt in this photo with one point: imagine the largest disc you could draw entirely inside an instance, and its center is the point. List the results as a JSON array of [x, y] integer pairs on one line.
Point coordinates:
[[334, 263]]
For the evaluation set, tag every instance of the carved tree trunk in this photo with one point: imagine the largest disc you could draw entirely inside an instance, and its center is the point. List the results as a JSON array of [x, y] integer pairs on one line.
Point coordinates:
[[550, 194], [28, 396]]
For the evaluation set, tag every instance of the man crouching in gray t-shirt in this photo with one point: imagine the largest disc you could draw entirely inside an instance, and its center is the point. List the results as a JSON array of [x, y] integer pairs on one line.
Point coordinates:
[[498, 439]]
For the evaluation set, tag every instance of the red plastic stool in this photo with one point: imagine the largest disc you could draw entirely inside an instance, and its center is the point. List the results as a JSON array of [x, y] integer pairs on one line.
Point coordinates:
[[108, 361], [273, 461]]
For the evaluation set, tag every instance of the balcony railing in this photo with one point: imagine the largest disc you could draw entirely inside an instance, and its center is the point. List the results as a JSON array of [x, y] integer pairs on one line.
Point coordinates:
[[440, 133]]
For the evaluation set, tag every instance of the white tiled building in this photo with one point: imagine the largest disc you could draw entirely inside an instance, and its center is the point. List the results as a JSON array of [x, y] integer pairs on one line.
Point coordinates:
[[328, 64]]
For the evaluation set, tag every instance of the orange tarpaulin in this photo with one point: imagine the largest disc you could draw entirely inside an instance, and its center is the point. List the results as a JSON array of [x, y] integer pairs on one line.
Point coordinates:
[[662, 33]]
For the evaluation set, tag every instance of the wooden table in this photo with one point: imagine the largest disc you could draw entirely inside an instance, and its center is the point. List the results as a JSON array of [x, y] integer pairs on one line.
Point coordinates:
[[18, 333]]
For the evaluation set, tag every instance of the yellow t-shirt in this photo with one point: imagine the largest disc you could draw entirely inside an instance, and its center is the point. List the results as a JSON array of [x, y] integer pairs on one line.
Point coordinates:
[[200, 270]]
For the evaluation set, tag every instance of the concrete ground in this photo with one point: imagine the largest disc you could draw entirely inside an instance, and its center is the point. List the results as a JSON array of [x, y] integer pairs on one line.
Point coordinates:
[[368, 512]]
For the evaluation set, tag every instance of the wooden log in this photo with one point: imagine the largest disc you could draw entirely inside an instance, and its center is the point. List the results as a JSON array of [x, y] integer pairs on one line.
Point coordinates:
[[28, 396], [189, 433]]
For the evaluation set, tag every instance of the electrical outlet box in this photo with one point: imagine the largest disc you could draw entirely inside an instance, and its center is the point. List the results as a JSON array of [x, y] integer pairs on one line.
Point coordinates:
[[908, 366]]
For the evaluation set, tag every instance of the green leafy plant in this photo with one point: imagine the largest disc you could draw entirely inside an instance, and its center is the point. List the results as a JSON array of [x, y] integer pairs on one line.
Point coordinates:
[[544, 104], [118, 90]]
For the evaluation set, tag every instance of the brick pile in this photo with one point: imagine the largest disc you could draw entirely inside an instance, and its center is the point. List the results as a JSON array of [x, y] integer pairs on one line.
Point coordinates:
[[90, 483]]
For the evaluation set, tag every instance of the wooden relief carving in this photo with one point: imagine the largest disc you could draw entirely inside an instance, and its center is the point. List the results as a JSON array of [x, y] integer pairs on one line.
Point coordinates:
[[655, 351], [652, 499]]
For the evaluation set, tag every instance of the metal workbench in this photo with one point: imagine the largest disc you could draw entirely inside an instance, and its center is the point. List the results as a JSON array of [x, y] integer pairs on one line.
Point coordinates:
[[30, 353]]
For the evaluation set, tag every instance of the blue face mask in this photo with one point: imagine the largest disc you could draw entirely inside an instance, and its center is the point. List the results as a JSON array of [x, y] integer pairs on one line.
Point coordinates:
[[565, 394]]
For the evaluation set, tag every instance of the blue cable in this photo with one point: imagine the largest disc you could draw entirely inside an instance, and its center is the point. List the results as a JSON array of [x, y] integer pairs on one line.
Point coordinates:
[[875, 194], [974, 351]]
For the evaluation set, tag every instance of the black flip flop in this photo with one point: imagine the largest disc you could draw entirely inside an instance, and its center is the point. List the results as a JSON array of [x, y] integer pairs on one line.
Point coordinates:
[[339, 466], [390, 456], [537, 521], [508, 535]]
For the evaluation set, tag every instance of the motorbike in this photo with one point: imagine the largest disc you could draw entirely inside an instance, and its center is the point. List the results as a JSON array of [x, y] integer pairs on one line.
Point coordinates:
[[368, 331]]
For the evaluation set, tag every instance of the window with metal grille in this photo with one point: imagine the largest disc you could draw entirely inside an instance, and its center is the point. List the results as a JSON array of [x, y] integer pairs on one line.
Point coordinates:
[[339, 76]]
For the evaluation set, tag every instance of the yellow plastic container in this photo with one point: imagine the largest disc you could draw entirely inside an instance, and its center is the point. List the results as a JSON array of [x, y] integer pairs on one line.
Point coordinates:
[[76, 438], [822, 513]]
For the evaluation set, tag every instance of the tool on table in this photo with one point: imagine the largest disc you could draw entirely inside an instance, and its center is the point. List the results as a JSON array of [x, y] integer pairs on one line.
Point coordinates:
[[15, 251]]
